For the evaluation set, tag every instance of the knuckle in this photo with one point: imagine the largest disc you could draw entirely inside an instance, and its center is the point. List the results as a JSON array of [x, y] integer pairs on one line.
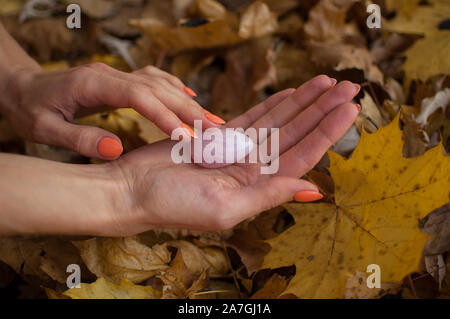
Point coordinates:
[[136, 90], [149, 68], [161, 115], [78, 138], [176, 81], [99, 66], [37, 125], [81, 74]]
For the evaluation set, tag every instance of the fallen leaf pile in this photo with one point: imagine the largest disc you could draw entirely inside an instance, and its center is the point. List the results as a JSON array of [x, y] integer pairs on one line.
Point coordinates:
[[386, 182]]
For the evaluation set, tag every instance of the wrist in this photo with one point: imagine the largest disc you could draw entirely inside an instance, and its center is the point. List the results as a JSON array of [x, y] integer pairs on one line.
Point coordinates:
[[106, 198]]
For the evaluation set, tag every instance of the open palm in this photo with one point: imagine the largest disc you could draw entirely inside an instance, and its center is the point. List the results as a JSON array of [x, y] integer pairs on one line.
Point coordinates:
[[164, 194]]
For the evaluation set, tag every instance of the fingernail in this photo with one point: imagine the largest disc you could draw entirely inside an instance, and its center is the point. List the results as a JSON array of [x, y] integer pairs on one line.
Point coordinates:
[[189, 130], [214, 118], [307, 196], [109, 147], [190, 92], [358, 107], [333, 81], [358, 88]]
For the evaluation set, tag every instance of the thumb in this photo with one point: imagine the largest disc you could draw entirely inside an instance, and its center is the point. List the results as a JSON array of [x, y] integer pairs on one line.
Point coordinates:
[[89, 141], [267, 194]]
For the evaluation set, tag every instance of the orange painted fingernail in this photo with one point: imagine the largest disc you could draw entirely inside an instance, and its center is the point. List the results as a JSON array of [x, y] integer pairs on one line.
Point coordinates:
[[109, 147], [307, 196], [189, 130], [214, 118], [358, 107], [190, 92]]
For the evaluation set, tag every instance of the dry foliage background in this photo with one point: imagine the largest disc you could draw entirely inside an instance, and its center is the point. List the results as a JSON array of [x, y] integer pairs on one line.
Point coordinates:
[[386, 183]]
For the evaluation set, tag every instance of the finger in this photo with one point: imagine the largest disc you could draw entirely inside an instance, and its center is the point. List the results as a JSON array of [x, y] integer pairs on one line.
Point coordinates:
[[303, 97], [307, 120], [262, 196], [306, 154], [248, 118], [177, 101], [104, 89], [89, 141], [154, 71], [184, 107]]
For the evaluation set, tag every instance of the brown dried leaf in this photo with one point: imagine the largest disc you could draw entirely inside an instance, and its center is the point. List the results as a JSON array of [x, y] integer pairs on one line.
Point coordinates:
[[44, 38], [257, 21], [97, 9], [345, 56], [117, 258], [46, 258], [180, 282], [437, 224], [248, 241], [198, 260], [179, 38], [209, 9], [272, 289], [369, 110]]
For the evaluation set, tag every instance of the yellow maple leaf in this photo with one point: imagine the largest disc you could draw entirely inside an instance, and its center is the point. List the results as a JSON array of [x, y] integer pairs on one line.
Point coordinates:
[[380, 196], [421, 19], [428, 56], [422, 67], [103, 289], [406, 6]]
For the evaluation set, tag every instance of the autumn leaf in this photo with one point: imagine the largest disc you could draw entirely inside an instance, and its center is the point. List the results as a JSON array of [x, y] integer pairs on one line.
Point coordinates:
[[200, 259], [103, 289], [11, 7], [406, 6], [327, 35], [380, 196], [437, 62], [369, 110], [272, 288], [356, 288], [117, 258], [178, 38], [210, 9], [125, 123], [257, 21], [180, 282], [46, 258], [224, 29], [425, 21], [96, 9]]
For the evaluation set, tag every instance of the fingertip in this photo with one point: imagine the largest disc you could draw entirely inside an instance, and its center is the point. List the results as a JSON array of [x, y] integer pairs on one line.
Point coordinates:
[[323, 81]]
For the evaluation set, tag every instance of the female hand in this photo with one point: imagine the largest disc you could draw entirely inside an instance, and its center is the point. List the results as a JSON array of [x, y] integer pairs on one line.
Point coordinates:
[[42, 105], [155, 192]]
